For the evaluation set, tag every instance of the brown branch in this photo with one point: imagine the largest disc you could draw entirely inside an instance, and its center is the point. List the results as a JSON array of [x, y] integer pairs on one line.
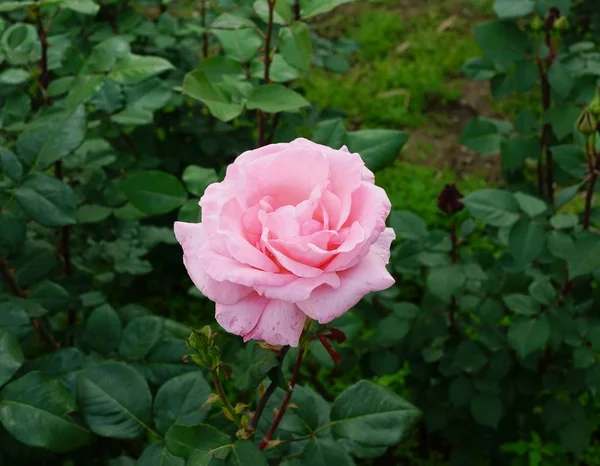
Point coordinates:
[[43, 332], [286, 400], [264, 399], [260, 115]]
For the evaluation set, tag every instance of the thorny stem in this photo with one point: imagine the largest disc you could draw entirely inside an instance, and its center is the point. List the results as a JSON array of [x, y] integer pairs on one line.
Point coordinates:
[[264, 399], [454, 257], [65, 240], [260, 115], [221, 392], [296, 10], [43, 332], [545, 178], [286, 399], [593, 167], [204, 33]]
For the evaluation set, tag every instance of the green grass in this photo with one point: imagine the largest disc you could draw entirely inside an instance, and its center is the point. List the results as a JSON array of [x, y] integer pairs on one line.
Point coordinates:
[[405, 62]]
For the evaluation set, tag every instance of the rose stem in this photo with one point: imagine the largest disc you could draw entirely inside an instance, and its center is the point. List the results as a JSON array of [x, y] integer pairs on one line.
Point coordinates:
[[286, 399]]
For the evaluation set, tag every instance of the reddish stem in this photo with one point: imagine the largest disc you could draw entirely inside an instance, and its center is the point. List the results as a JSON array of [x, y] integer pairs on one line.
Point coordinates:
[[285, 402], [43, 333], [266, 78]]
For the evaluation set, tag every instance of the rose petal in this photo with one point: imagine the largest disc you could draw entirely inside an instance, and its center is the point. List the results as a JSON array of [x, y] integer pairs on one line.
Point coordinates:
[[370, 274], [191, 237], [281, 323], [299, 289], [241, 317], [295, 267]]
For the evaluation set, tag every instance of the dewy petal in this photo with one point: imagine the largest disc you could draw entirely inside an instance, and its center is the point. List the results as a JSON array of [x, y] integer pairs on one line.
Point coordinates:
[[191, 237], [370, 274], [241, 317], [300, 289], [281, 323]]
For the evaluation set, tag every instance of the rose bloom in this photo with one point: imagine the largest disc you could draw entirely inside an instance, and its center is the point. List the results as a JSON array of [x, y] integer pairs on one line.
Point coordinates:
[[294, 231]]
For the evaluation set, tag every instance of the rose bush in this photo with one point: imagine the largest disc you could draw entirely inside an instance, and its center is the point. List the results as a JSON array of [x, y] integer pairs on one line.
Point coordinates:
[[295, 230]]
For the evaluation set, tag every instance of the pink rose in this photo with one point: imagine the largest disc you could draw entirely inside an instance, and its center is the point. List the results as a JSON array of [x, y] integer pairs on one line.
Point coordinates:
[[294, 230]]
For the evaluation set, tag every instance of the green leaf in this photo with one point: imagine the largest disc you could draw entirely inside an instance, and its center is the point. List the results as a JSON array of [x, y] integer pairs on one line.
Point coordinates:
[[114, 399], [564, 221], [85, 7], [479, 69], [252, 365], [103, 329], [35, 409], [198, 85], [562, 118], [390, 330], [377, 147], [484, 135], [502, 42], [576, 436], [13, 229], [325, 452], [532, 206], [560, 79], [522, 304], [190, 212], [92, 213], [296, 46], [14, 319], [372, 415], [197, 179], [274, 98], [584, 257], [470, 357], [11, 356], [243, 453], [517, 149], [52, 138], [12, 6], [179, 401], [280, 70], [198, 439], [330, 133], [282, 13], [566, 195], [156, 454], [583, 357], [140, 336], [133, 69], [14, 76], [526, 240], [408, 225], [528, 335], [486, 409], [240, 44], [154, 192], [508, 9], [134, 116], [83, 89], [461, 391], [312, 8], [47, 200], [445, 282], [11, 165], [493, 206], [542, 291], [51, 296]]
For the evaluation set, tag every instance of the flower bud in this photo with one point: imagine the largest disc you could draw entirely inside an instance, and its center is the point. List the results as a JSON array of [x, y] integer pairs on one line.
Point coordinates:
[[594, 106], [203, 349], [536, 23], [449, 200], [587, 122], [553, 15], [561, 24]]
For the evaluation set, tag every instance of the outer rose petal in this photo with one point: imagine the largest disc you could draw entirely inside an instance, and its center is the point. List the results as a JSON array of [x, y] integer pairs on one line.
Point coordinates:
[[191, 237], [370, 274], [280, 324], [241, 317], [299, 289]]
